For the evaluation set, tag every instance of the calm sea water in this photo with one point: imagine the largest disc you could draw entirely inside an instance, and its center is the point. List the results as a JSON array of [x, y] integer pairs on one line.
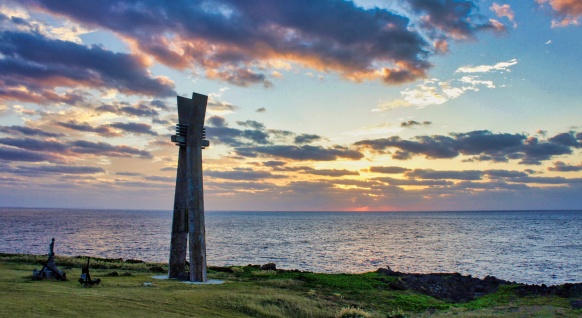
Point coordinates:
[[529, 247]]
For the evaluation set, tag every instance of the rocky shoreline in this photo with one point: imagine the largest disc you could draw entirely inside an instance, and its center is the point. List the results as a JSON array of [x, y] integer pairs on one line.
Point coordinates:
[[456, 288]]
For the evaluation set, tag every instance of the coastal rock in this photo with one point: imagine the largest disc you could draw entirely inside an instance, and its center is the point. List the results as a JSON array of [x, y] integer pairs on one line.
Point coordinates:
[[269, 267]]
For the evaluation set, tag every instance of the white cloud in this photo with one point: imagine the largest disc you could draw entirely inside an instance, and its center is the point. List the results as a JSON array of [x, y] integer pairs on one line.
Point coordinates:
[[277, 75], [429, 93], [502, 66], [549, 42], [376, 129], [474, 81]]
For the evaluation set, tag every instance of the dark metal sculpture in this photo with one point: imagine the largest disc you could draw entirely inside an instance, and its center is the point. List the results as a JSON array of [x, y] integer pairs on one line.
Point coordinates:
[[188, 221], [49, 270], [86, 277]]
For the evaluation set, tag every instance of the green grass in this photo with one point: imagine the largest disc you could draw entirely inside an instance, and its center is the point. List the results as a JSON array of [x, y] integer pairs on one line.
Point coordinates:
[[248, 292]]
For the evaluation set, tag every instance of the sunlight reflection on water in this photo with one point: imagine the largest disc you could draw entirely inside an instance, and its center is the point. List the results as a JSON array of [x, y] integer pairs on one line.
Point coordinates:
[[528, 247]]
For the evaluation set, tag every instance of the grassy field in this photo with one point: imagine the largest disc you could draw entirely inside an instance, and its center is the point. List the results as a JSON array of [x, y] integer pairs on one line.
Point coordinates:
[[248, 292]]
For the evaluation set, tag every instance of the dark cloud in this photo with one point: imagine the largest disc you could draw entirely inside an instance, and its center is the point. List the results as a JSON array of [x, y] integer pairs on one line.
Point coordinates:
[[437, 175], [11, 154], [332, 172], [546, 180], [28, 131], [243, 77], [468, 175], [59, 169], [168, 169], [496, 147], [39, 63], [274, 163], [412, 182], [73, 148], [123, 173], [412, 123], [307, 139], [261, 110], [136, 128], [159, 105], [216, 121], [234, 40], [139, 110], [301, 153], [161, 121], [256, 136], [251, 123], [456, 19], [161, 179], [561, 166], [566, 139], [218, 106], [504, 174], [102, 130], [243, 175], [392, 169], [105, 149]]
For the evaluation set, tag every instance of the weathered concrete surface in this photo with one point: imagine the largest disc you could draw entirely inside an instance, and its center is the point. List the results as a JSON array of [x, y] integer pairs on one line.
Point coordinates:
[[188, 222]]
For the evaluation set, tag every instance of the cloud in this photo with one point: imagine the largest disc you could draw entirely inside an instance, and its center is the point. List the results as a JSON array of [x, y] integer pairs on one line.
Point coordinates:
[[454, 19], [251, 123], [392, 169], [216, 121], [429, 93], [242, 77], [412, 123], [501, 66], [11, 154], [376, 129], [139, 110], [500, 147], [561, 166], [503, 11], [136, 128], [160, 179], [437, 175], [301, 153], [356, 43], [331, 172], [274, 163], [131, 174], [28, 131], [38, 64], [307, 138], [567, 12], [412, 182], [261, 110], [57, 169], [243, 175], [73, 148], [277, 75], [220, 107], [102, 130]]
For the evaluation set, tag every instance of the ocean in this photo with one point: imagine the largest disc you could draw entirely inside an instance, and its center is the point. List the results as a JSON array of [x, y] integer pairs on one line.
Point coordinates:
[[523, 246]]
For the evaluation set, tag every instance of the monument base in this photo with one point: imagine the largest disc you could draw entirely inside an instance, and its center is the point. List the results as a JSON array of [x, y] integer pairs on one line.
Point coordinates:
[[208, 282]]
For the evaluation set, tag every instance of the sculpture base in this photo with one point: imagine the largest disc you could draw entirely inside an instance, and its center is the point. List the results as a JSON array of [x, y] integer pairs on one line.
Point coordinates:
[[208, 282]]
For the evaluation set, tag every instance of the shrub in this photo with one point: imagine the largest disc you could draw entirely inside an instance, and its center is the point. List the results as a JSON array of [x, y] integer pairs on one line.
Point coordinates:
[[280, 306], [353, 313], [283, 283], [237, 270]]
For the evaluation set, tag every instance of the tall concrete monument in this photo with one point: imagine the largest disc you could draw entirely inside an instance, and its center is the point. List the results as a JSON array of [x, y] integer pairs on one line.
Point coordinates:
[[188, 223]]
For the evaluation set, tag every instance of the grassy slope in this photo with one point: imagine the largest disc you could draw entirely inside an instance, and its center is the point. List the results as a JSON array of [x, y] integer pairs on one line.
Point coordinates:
[[247, 293]]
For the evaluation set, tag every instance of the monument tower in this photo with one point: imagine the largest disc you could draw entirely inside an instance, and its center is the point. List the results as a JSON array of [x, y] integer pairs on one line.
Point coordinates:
[[188, 222]]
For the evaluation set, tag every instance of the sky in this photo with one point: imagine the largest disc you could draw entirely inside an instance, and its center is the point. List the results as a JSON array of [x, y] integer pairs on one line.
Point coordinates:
[[327, 105]]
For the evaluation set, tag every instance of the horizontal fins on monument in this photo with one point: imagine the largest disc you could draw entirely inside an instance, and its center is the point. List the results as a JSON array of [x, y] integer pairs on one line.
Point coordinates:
[[180, 137]]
